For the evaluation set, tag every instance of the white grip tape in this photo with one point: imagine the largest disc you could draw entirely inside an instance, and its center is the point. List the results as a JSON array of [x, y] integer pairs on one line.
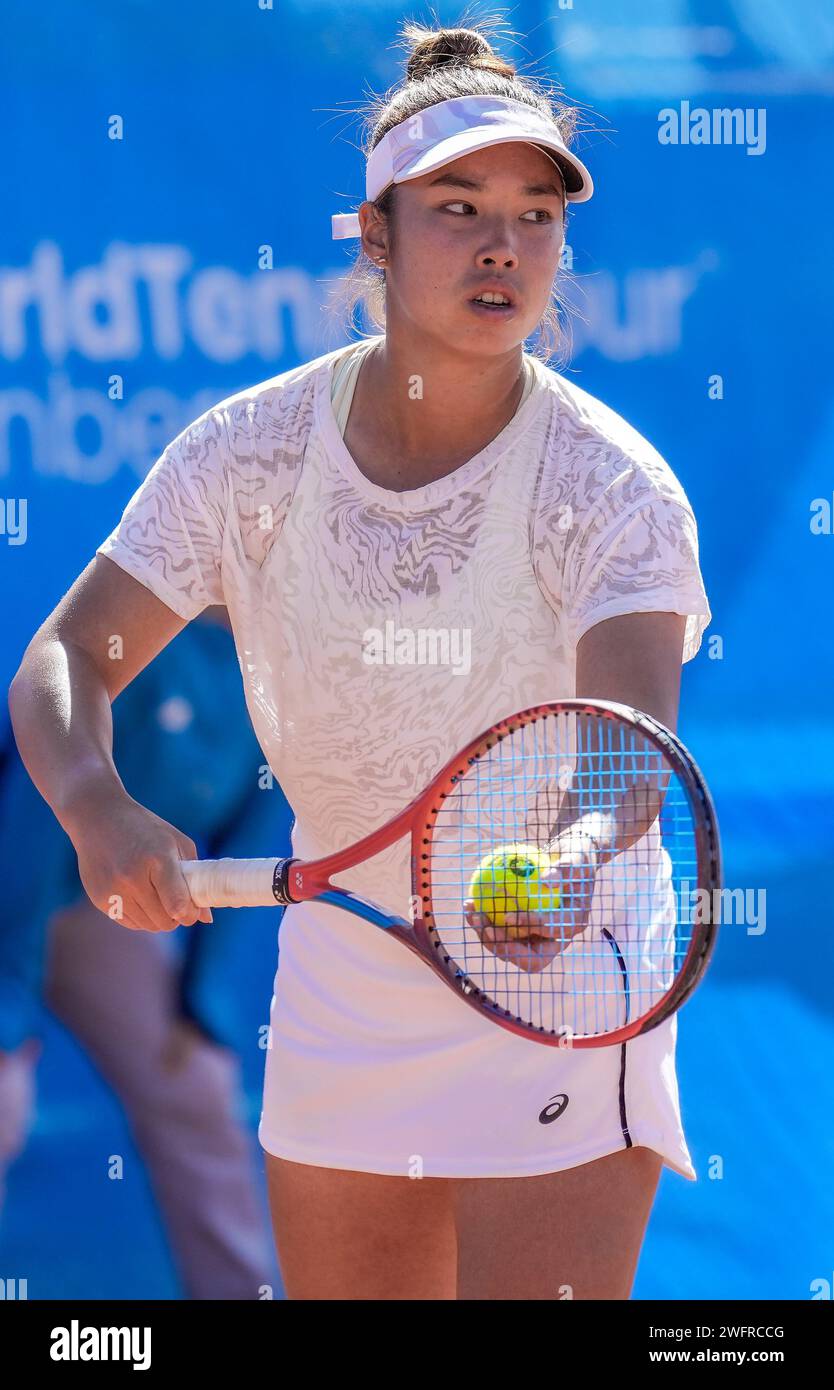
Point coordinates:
[[230, 882]]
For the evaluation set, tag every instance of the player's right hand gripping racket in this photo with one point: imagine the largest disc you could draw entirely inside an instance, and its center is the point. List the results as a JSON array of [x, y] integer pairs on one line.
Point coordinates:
[[565, 869]]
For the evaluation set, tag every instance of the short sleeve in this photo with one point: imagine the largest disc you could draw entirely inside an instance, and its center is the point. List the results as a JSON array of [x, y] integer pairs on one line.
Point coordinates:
[[170, 536], [646, 562]]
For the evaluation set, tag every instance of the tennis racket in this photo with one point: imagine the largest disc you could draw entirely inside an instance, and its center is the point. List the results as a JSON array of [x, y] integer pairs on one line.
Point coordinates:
[[564, 871]]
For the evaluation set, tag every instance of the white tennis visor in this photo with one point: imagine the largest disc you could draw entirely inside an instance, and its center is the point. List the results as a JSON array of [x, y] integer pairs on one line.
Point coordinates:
[[444, 132]]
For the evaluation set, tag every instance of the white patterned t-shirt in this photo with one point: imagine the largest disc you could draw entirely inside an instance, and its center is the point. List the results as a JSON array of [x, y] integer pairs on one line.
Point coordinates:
[[337, 589]]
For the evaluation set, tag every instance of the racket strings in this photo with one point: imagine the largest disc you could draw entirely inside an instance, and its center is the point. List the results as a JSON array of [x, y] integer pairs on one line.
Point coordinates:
[[511, 838]]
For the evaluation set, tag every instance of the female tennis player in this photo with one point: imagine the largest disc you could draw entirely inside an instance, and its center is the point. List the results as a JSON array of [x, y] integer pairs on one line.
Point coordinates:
[[433, 478]]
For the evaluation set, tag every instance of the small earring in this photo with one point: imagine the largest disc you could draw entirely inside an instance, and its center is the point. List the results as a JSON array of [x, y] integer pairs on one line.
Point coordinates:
[[380, 260]]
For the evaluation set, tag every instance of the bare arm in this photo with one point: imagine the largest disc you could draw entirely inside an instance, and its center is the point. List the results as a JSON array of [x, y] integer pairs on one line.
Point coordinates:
[[105, 630], [634, 659]]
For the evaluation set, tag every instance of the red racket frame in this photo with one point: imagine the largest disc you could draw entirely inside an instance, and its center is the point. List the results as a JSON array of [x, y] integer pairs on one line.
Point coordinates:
[[299, 881]]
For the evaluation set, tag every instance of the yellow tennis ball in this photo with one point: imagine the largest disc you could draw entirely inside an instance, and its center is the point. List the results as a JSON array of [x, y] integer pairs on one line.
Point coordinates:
[[508, 880]]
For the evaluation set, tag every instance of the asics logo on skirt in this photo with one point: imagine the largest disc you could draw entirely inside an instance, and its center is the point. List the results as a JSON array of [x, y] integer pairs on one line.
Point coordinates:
[[556, 1106]]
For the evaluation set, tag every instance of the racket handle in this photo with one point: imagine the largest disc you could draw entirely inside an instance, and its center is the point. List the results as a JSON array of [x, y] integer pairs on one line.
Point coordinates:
[[233, 882]]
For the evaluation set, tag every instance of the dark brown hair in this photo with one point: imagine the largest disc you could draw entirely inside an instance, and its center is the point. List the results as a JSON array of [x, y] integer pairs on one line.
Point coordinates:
[[442, 64]]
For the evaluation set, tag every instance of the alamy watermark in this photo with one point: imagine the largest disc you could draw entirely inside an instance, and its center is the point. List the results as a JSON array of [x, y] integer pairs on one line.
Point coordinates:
[[13, 513], [688, 125], [740, 906], [418, 646]]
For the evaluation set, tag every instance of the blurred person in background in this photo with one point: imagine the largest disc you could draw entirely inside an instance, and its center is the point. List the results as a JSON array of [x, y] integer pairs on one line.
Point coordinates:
[[155, 1012]]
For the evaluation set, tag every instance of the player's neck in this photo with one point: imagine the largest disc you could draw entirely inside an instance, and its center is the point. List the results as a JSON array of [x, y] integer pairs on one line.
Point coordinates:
[[435, 411]]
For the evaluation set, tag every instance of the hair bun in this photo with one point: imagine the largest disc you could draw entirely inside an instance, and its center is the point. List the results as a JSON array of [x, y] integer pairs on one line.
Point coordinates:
[[438, 48]]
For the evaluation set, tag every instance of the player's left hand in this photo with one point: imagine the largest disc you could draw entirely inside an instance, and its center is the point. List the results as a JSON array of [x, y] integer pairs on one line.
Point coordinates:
[[532, 940]]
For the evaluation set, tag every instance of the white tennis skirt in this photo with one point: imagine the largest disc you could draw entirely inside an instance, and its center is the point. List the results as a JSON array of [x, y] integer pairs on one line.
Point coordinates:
[[374, 1065]]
